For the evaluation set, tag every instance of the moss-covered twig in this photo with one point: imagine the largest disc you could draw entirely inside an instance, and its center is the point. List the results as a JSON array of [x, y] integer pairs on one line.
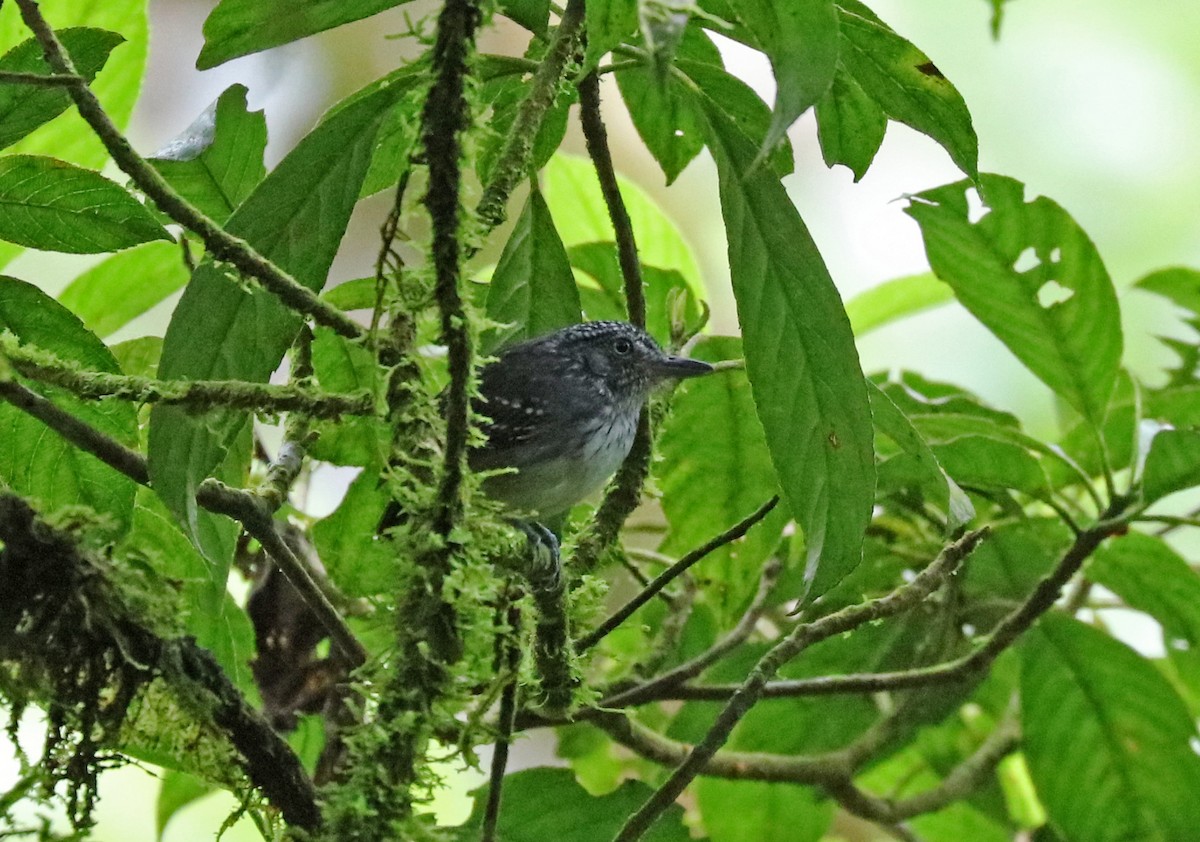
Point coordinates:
[[58, 602], [45, 367], [512, 166], [220, 244]]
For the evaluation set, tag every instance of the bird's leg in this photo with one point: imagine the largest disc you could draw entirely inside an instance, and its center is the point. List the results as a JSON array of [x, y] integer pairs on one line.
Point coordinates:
[[545, 562]]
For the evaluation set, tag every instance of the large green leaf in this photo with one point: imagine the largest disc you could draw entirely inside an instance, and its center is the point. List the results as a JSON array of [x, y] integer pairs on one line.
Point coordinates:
[[894, 300], [25, 107], [750, 811], [122, 287], [543, 804], [572, 191], [55, 206], [668, 295], [116, 86], [218, 159], [716, 470], [608, 23], [808, 387], [1108, 741], [532, 291], [1032, 276], [223, 330], [357, 562], [905, 84], [33, 459], [800, 38], [240, 27]]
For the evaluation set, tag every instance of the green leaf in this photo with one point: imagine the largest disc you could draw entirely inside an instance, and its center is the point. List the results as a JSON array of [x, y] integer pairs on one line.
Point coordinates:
[[850, 125], [608, 23], [905, 84], [741, 104], [801, 359], [918, 395], [33, 459], [534, 15], [343, 366], [55, 206], [1108, 741], [356, 561], [218, 159], [116, 86], [240, 27], [800, 38], [542, 804], [749, 811], [532, 291], [117, 290], [1173, 464], [1032, 276], [665, 289], [894, 300], [177, 790], [1014, 557], [572, 192], [984, 461], [25, 107], [1179, 284], [716, 470], [222, 330], [664, 116], [895, 425]]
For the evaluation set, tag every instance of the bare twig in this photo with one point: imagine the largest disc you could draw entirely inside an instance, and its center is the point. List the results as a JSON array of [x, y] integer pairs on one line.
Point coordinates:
[[667, 576], [799, 639], [41, 80], [597, 146]]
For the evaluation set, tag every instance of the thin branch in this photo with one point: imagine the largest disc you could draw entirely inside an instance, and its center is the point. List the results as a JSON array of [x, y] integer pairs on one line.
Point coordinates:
[[220, 243], [41, 80], [1006, 632], [508, 658], [256, 518], [513, 163], [45, 367], [652, 688], [667, 576], [799, 639], [84, 436], [597, 146]]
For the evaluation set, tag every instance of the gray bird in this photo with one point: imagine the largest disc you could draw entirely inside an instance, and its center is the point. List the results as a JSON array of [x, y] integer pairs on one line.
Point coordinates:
[[563, 411]]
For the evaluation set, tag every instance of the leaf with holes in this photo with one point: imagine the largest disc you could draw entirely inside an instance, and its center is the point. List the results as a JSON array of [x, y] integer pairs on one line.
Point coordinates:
[[1032, 276], [808, 386]]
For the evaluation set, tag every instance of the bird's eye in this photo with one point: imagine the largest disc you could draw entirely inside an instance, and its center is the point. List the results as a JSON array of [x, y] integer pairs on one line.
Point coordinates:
[[622, 346]]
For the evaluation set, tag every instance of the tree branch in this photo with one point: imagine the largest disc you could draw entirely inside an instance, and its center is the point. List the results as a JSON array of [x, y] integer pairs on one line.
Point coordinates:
[[45, 367], [597, 146], [512, 164], [670, 574], [799, 639], [221, 244]]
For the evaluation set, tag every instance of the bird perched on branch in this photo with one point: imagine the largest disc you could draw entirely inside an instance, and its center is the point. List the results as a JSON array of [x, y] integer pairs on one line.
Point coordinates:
[[563, 410]]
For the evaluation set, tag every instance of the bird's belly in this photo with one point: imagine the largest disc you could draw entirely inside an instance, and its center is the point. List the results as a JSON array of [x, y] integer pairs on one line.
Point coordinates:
[[550, 486]]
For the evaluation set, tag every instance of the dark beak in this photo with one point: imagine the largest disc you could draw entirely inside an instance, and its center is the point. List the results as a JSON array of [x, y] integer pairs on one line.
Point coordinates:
[[677, 368]]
